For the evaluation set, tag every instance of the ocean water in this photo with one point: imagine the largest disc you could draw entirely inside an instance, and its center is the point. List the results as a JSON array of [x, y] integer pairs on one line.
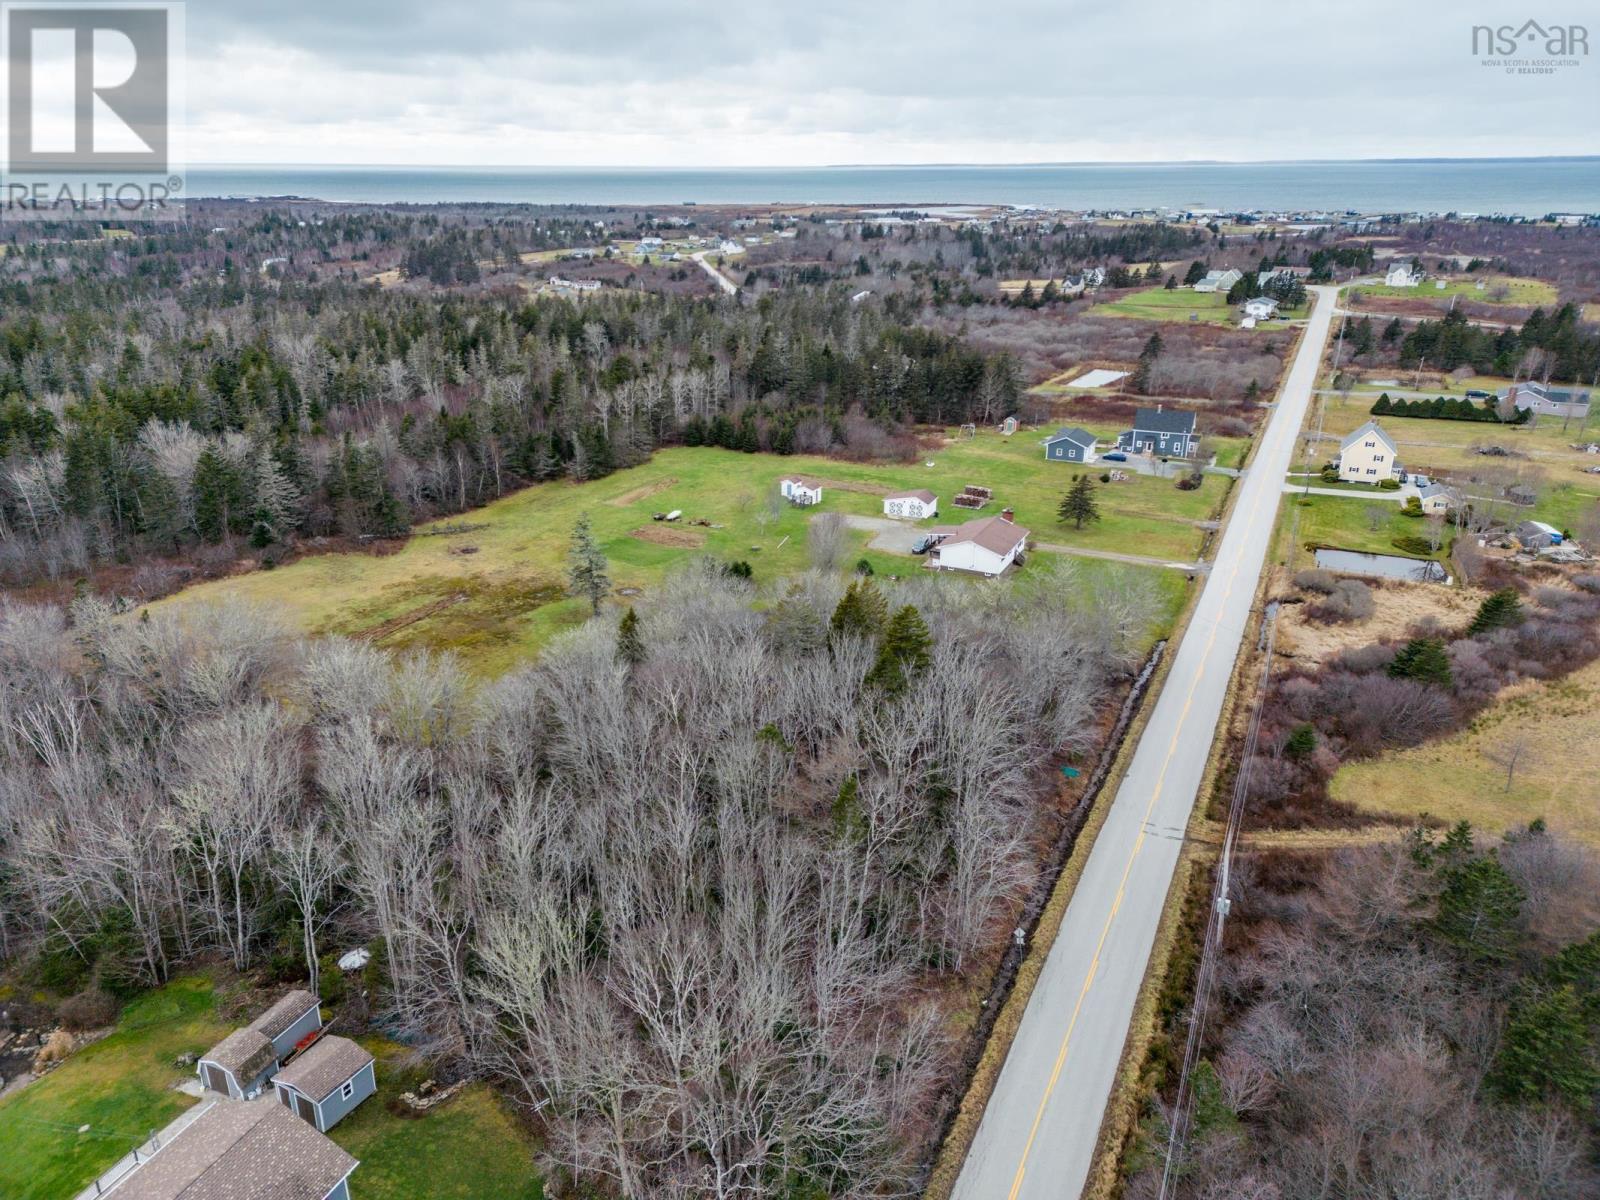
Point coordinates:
[[1529, 187]]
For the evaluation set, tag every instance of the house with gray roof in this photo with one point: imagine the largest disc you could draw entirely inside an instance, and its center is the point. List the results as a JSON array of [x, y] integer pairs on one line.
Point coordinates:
[[1070, 445], [1161, 431], [240, 1065], [1545, 401], [242, 1150], [1218, 281], [323, 1084], [985, 547]]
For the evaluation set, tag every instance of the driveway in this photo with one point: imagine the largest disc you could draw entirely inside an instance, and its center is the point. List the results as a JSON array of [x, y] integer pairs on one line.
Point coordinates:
[[897, 537], [1039, 1130]]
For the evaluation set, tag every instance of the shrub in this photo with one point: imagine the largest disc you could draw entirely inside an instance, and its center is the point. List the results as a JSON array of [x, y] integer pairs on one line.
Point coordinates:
[[1422, 659], [1412, 544], [332, 986], [1315, 580], [92, 1009], [1350, 600], [1498, 610], [1388, 485], [1301, 741]]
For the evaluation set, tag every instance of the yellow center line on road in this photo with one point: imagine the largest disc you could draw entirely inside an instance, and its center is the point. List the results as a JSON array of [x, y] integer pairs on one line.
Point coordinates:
[[1116, 903]]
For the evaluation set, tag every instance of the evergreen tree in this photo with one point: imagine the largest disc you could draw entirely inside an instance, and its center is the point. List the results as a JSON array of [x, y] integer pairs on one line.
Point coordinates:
[[1425, 660], [630, 643], [1498, 610], [1195, 273], [906, 651], [220, 500], [861, 612], [1478, 908], [586, 566], [1079, 505], [1547, 1050], [1301, 741]]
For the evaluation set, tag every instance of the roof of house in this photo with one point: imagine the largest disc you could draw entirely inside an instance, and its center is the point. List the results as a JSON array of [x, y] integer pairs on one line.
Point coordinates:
[[1266, 301], [922, 494], [1163, 420], [1366, 431], [1545, 392], [244, 1053], [1081, 436], [240, 1150], [995, 534], [1215, 276], [289, 1009], [1432, 490], [323, 1067], [804, 481]]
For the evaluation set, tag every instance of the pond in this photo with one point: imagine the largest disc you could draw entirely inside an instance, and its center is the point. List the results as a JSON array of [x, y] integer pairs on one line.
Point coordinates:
[[1381, 566]]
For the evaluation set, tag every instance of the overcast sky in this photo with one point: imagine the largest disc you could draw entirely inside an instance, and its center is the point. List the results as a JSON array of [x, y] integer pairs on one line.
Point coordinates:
[[684, 82]]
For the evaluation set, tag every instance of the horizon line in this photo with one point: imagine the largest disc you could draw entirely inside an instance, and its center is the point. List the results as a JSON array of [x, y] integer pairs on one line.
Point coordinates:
[[887, 166]]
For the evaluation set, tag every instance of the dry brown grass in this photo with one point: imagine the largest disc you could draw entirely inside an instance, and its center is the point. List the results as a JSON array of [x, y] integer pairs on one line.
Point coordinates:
[[642, 493], [1399, 607], [668, 535], [1455, 778]]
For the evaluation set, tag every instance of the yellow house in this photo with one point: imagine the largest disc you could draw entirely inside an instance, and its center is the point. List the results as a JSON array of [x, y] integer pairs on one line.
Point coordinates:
[[1368, 456]]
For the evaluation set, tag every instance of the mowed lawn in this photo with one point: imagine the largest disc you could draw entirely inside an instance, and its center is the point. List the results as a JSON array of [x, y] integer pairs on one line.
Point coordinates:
[[1347, 523], [470, 1147], [1455, 779], [1178, 304], [497, 593], [120, 1088], [1497, 289]]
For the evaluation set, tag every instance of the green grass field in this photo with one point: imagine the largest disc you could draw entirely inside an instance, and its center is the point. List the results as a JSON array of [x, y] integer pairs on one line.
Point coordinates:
[[470, 1147], [1347, 525], [505, 598], [1497, 289], [119, 1087], [1179, 304], [1158, 304]]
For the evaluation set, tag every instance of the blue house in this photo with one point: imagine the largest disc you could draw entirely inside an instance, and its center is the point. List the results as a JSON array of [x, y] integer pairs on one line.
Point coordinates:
[[326, 1081], [1157, 431], [240, 1065], [1070, 445]]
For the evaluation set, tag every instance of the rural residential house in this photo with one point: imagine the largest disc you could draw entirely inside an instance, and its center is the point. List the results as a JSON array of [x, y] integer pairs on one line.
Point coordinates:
[[240, 1150], [1402, 274], [1261, 308], [241, 1063], [1434, 498], [1161, 431], [913, 506], [323, 1084], [1368, 455], [1546, 401], [1070, 445], [985, 547], [801, 489], [1218, 281]]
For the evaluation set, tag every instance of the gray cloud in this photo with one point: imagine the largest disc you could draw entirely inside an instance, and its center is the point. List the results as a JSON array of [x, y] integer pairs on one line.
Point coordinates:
[[688, 81]]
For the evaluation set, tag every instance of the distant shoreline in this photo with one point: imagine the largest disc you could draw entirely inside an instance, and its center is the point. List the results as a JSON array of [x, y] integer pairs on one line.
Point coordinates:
[[1513, 187]]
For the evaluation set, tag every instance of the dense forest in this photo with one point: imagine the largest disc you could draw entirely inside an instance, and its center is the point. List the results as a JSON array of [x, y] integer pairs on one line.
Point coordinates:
[[138, 420], [723, 967]]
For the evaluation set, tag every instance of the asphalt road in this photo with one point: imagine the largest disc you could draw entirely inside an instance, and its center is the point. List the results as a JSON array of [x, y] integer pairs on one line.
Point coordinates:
[[1037, 1137]]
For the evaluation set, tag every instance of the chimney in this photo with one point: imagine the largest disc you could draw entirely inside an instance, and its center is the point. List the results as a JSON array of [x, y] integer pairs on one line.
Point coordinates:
[[1007, 514]]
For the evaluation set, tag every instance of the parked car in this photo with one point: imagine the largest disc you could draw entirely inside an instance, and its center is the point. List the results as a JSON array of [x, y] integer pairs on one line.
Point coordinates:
[[1115, 456], [1479, 394]]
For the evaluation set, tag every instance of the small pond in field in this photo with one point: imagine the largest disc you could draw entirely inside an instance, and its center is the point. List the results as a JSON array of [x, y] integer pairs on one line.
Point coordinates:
[[1381, 566]]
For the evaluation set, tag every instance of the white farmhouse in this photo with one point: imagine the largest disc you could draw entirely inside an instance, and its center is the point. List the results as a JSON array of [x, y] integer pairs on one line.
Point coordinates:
[[1261, 308], [801, 489], [985, 547], [1401, 274], [1368, 455], [913, 506]]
